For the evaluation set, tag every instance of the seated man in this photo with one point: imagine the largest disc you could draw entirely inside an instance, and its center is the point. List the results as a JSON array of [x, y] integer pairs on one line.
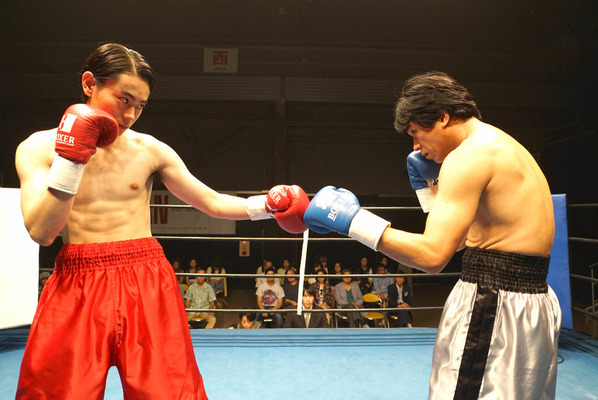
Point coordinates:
[[348, 295], [269, 297], [247, 322], [399, 296], [307, 319], [291, 289], [201, 295], [380, 286]]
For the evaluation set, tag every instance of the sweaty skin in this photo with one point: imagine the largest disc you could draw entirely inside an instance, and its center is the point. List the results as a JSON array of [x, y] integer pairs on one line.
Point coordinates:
[[491, 195]]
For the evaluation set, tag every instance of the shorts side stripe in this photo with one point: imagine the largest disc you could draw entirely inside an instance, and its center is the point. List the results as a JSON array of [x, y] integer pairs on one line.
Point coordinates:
[[477, 344]]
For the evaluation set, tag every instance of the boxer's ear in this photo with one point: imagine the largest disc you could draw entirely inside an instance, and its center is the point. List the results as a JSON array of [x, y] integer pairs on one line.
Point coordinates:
[[88, 83], [444, 119]]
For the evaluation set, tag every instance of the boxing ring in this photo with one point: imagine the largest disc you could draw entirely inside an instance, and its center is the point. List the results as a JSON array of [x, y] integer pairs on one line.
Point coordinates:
[[330, 364], [337, 363]]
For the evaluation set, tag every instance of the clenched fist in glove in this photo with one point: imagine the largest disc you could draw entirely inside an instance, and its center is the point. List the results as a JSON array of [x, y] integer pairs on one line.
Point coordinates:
[[285, 203], [423, 176], [338, 210], [82, 129]]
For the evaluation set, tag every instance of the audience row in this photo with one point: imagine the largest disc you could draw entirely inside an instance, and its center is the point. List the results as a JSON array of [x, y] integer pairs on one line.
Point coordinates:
[[274, 292]]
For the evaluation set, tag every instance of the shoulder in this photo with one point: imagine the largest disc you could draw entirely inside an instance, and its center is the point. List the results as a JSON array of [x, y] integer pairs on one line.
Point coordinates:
[[486, 145], [35, 152], [144, 140], [192, 289], [472, 164], [39, 141], [149, 143]]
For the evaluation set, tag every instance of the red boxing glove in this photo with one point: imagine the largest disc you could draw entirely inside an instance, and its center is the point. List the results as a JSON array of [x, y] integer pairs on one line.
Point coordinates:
[[289, 203], [81, 130]]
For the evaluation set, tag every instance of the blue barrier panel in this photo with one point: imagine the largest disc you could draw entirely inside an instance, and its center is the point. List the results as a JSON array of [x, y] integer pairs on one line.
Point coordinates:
[[558, 271]]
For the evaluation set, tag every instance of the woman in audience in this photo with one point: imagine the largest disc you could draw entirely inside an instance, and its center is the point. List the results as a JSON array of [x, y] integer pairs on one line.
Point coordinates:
[[324, 297]]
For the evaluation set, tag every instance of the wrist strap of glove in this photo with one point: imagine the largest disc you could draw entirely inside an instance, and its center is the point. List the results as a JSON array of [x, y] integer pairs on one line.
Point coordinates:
[[426, 197], [257, 209], [65, 175], [367, 228]]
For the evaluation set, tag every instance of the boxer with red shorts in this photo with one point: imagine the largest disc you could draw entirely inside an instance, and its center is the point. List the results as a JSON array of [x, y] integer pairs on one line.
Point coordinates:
[[110, 304], [114, 298]]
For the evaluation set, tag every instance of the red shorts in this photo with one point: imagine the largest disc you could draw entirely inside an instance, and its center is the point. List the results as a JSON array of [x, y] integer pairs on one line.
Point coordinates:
[[106, 304]]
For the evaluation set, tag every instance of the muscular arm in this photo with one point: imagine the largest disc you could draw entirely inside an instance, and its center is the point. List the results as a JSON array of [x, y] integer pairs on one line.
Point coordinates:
[[463, 177], [45, 210], [189, 189]]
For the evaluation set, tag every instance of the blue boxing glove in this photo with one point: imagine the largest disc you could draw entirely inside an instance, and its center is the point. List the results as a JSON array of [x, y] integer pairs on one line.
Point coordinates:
[[338, 210], [423, 176]]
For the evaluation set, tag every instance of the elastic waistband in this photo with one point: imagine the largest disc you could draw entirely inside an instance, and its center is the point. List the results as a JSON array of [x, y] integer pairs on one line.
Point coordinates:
[[505, 271], [107, 255]]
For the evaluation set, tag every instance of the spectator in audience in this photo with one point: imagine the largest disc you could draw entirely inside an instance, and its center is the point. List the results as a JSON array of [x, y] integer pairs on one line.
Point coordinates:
[[261, 270], [182, 289], [363, 284], [291, 290], [408, 270], [348, 295], [399, 296], [286, 264], [317, 267], [176, 266], [247, 321], [218, 282], [324, 264], [269, 297], [307, 319], [384, 260], [380, 286], [192, 264], [43, 278], [190, 280], [324, 294], [366, 283], [338, 270], [201, 295]]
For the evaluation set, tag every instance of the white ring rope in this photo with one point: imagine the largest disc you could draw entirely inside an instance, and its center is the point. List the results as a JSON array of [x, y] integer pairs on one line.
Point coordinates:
[[302, 271]]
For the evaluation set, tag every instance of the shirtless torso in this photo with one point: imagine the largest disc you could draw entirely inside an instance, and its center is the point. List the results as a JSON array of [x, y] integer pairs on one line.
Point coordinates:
[[112, 202], [492, 195], [515, 212]]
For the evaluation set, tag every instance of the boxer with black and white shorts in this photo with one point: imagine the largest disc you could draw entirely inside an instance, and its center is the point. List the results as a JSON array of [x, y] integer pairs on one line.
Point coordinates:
[[483, 190]]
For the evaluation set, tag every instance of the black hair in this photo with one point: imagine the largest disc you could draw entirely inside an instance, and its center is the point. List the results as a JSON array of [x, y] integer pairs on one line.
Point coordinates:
[[109, 60], [250, 316], [310, 291], [426, 97]]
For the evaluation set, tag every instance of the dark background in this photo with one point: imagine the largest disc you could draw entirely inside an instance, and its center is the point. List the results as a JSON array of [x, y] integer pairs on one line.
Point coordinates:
[[312, 102]]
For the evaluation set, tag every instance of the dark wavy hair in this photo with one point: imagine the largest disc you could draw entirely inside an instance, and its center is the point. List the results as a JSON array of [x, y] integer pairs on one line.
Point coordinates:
[[425, 97], [109, 60], [310, 291]]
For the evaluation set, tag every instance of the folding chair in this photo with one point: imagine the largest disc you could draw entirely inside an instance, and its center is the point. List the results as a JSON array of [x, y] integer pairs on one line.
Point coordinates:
[[371, 300]]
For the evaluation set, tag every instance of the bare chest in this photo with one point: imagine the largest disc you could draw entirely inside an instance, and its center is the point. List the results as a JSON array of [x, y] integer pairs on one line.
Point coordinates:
[[114, 179]]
